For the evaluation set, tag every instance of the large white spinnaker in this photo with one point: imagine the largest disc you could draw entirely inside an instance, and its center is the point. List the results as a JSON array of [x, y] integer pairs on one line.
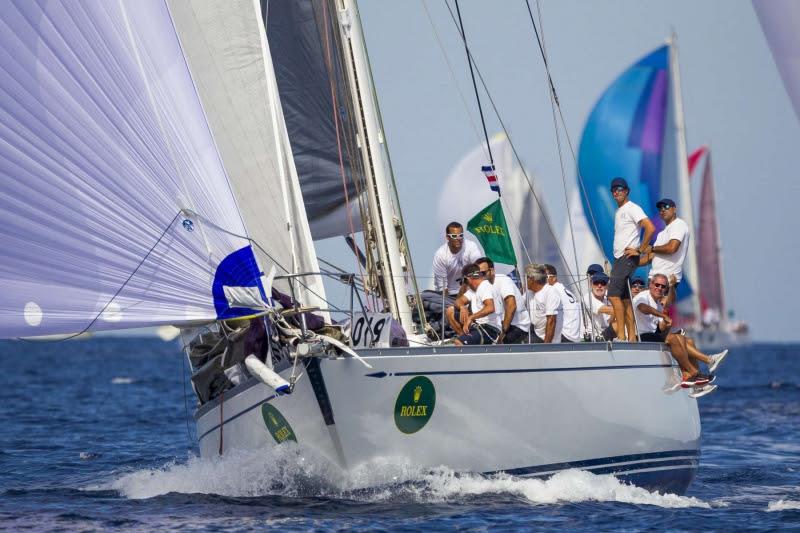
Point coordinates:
[[115, 210], [226, 48]]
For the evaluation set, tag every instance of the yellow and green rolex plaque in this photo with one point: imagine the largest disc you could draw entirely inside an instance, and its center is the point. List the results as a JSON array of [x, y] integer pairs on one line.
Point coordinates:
[[414, 405], [276, 424]]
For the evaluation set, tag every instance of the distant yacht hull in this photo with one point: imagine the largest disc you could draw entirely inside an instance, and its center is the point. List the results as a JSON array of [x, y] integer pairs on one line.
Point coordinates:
[[525, 410]]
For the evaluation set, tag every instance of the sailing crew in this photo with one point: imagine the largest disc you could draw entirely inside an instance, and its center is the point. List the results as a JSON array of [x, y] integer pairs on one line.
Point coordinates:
[[628, 220], [515, 319], [672, 243], [596, 301], [654, 324], [571, 332], [451, 258], [546, 310], [482, 324]]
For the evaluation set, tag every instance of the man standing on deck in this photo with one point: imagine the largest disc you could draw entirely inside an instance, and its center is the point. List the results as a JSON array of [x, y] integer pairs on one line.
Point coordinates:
[[672, 243], [451, 258], [516, 322], [546, 311], [571, 332], [628, 220]]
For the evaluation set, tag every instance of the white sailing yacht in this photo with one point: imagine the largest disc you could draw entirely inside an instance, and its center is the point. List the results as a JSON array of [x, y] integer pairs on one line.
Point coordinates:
[[154, 172]]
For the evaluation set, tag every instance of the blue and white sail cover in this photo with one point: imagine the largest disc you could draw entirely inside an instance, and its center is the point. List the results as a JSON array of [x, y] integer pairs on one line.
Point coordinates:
[[115, 208]]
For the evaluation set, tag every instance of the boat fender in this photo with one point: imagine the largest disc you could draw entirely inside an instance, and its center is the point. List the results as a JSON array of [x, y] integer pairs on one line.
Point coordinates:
[[268, 376]]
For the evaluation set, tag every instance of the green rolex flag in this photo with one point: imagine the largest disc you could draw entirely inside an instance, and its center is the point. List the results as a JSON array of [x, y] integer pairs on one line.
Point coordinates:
[[489, 226]]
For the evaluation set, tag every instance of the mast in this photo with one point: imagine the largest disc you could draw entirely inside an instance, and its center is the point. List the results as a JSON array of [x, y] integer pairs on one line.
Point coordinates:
[[385, 219], [684, 189]]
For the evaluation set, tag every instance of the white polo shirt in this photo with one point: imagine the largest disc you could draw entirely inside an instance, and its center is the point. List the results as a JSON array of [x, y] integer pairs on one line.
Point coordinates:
[[646, 323], [546, 302], [599, 320], [626, 227], [447, 265], [572, 313], [485, 291], [504, 286], [672, 263]]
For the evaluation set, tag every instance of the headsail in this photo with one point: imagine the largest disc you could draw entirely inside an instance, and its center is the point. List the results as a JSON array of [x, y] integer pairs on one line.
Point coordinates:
[[306, 50], [227, 52], [708, 246], [115, 209], [779, 20]]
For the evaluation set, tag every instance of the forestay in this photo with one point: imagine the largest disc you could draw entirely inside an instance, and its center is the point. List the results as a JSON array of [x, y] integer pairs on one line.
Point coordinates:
[[115, 210]]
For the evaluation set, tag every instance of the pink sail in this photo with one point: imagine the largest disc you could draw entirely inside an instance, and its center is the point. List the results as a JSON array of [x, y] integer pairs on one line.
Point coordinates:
[[708, 247]]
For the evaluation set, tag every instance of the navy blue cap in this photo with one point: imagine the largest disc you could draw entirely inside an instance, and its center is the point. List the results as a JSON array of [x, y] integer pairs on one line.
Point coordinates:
[[666, 202], [638, 280], [594, 269], [600, 276], [619, 182]]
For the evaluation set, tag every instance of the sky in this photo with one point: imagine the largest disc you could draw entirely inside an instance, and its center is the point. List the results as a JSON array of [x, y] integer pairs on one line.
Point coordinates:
[[734, 101]]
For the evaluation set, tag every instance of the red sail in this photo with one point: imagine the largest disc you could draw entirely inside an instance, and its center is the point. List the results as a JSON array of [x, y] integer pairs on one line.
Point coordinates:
[[708, 247], [695, 157]]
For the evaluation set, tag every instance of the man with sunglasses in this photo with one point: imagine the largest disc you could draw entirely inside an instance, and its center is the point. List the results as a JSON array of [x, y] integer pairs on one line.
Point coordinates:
[[637, 286], [481, 325], [514, 315], [451, 258], [628, 220], [600, 328], [654, 324], [672, 244], [571, 332], [546, 310]]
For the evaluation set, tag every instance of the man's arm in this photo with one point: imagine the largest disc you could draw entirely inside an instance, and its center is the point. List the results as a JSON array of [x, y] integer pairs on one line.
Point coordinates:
[[647, 310], [488, 309], [550, 328], [649, 231], [670, 248], [510, 307]]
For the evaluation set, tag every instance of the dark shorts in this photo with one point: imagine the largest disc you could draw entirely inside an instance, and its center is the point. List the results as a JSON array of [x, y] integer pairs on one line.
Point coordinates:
[[656, 336], [480, 335], [515, 335], [536, 339], [621, 270], [564, 339]]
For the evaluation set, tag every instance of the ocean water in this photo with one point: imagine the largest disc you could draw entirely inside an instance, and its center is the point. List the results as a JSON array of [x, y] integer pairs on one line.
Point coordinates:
[[97, 434]]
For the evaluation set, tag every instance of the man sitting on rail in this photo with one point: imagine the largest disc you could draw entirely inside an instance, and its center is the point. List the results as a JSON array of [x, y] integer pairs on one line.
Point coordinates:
[[546, 310], [516, 322], [481, 325]]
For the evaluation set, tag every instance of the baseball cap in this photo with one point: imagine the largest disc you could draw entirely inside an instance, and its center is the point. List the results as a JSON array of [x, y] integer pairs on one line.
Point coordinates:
[[594, 269], [637, 280], [619, 182], [666, 202]]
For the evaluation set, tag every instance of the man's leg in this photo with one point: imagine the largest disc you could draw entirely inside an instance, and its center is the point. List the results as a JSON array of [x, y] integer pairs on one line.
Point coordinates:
[[677, 346], [619, 317], [694, 353], [630, 321], [450, 313]]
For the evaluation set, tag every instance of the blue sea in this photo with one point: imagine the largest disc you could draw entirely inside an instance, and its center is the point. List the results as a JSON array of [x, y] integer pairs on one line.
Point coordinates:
[[97, 434]]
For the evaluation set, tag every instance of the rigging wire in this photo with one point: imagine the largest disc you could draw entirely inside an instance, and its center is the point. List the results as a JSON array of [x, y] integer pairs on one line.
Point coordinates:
[[474, 84], [511, 143]]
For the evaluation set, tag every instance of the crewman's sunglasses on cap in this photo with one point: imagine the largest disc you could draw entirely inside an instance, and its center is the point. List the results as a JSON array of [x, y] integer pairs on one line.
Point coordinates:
[[455, 236]]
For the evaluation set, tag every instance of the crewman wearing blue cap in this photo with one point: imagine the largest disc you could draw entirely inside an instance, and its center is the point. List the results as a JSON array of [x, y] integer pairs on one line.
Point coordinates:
[[672, 244], [628, 246]]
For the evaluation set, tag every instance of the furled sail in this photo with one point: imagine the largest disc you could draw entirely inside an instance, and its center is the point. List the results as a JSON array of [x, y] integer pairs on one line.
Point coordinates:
[[465, 192], [115, 210], [635, 131], [304, 40], [228, 54]]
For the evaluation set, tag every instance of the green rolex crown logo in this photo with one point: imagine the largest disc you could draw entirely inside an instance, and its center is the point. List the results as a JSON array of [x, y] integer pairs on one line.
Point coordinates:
[[414, 405], [276, 424]]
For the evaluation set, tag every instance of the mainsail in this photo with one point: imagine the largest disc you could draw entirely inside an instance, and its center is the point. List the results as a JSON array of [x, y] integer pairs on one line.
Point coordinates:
[[636, 131], [115, 210], [708, 246]]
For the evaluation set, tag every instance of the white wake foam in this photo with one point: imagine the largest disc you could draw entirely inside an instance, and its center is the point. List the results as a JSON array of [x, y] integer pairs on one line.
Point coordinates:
[[290, 470], [783, 505], [122, 380]]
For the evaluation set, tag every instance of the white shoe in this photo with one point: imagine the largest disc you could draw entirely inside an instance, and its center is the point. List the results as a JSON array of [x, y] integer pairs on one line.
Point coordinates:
[[698, 392], [716, 359]]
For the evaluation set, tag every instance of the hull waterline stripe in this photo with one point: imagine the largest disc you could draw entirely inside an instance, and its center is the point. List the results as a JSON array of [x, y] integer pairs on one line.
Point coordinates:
[[613, 464], [523, 370], [237, 415]]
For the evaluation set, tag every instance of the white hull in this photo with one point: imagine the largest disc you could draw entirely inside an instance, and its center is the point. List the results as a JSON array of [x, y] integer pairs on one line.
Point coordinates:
[[527, 410]]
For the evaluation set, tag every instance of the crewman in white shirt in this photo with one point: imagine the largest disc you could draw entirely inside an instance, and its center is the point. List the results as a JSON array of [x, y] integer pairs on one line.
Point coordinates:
[[671, 246], [546, 310], [516, 322], [628, 220], [482, 324], [597, 302], [572, 330], [451, 258]]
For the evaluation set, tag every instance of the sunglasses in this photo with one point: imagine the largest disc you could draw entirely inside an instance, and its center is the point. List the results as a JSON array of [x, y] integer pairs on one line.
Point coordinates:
[[455, 236], [618, 188], [665, 207], [603, 283], [637, 286], [476, 275], [660, 285]]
